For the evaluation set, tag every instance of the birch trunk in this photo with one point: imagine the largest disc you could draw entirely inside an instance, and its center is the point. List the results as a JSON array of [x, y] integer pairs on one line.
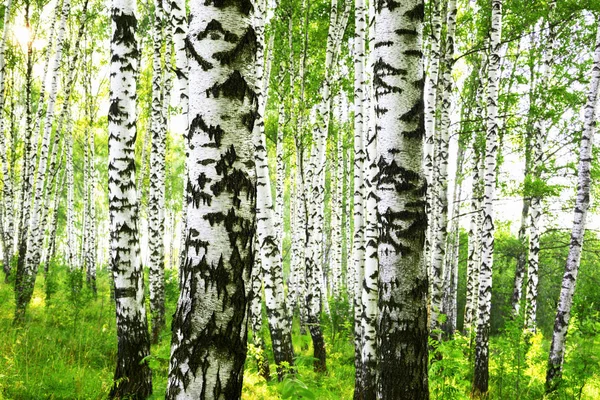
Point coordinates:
[[316, 179], [481, 375], [582, 203], [7, 192], [270, 255], [132, 376], [358, 244], [440, 236], [335, 265], [208, 348], [430, 114], [452, 251], [280, 166], [262, 361], [369, 286], [156, 193], [535, 229], [26, 276], [398, 90]]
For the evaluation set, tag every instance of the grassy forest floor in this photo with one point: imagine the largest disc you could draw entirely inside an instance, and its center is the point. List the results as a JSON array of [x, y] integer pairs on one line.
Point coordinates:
[[67, 350]]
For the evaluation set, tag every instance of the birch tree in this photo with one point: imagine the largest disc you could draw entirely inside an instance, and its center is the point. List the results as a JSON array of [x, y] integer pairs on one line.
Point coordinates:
[[582, 203], [266, 216], [208, 347], [540, 130], [358, 248], [440, 228], [481, 375], [398, 90], [156, 194], [7, 220], [133, 375], [26, 275]]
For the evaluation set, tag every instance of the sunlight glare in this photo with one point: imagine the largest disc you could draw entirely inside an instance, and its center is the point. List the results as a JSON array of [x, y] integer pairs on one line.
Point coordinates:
[[22, 35]]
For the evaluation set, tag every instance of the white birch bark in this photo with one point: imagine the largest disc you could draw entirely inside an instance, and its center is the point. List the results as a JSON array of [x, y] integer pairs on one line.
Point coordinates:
[[208, 347], [26, 279], [431, 103], [156, 193], [269, 248], [481, 375], [132, 375], [440, 230], [582, 203], [7, 192], [335, 264], [260, 356], [355, 269], [69, 171], [280, 165], [452, 250], [369, 285], [316, 180], [398, 90], [535, 228]]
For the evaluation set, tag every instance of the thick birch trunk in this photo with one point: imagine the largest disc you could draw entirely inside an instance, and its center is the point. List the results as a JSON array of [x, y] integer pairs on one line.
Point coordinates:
[[398, 89], [208, 347], [481, 375], [582, 203]]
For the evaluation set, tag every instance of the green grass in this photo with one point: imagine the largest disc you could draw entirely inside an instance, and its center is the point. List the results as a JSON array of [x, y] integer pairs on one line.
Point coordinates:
[[66, 349]]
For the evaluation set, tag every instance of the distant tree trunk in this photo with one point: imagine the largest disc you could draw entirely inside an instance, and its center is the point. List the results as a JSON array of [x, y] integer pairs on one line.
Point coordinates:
[[452, 250], [26, 275], [540, 135], [280, 324], [316, 180], [179, 26], [156, 193], [358, 243], [368, 286], [262, 361], [440, 231], [132, 376], [208, 348], [475, 225], [7, 219], [348, 215], [336, 207], [474, 245], [280, 164], [582, 203], [400, 125], [522, 235], [71, 238], [430, 114], [91, 171], [481, 375], [522, 257]]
